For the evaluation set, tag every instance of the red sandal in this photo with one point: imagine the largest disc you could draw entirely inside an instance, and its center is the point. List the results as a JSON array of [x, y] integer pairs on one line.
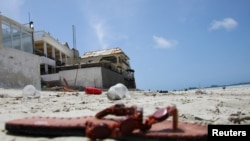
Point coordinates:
[[128, 124]]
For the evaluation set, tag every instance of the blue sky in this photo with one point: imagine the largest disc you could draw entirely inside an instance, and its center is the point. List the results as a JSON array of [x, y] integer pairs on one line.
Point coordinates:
[[172, 44]]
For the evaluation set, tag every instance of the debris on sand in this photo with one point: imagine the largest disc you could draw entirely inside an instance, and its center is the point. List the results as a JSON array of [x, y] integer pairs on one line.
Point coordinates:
[[117, 92]]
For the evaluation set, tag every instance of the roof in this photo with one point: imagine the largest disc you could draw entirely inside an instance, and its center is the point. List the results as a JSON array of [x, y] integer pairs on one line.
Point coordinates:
[[103, 52]]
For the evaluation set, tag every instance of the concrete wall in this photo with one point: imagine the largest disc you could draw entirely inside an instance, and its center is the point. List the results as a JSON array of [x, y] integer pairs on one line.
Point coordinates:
[[18, 68], [95, 77], [110, 78], [84, 77], [51, 77]]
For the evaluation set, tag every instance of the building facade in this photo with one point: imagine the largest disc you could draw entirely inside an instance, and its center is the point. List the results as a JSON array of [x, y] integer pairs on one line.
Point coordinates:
[[53, 53], [18, 65], [37, 58], [114, 59], [102, 69]]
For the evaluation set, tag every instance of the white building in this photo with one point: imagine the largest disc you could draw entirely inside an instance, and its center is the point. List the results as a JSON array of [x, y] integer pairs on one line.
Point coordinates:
[[53, 53], [18, 65]]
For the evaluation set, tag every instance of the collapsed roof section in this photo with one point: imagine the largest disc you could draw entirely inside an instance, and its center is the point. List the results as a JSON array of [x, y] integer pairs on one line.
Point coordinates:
[[106, 52]]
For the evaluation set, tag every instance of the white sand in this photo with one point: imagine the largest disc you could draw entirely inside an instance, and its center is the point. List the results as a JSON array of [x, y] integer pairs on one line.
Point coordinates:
[[214, 107]]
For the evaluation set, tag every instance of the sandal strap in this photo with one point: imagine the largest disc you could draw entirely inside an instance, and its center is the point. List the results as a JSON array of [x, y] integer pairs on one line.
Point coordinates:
[[160, 115], [133, 120], [117, 110]]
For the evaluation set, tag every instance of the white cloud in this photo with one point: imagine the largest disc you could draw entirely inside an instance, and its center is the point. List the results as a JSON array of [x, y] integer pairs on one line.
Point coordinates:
[[161, 42], [104, 32], [109, 21], [101, 33], [227, 23]]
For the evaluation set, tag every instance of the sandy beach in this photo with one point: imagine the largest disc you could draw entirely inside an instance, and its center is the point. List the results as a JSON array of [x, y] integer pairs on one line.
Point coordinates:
[[207, 106]]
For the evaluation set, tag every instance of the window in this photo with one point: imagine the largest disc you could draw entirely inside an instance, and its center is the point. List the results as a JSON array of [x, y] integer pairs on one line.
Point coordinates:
[[7, 41], [16, 38], [27, 42]]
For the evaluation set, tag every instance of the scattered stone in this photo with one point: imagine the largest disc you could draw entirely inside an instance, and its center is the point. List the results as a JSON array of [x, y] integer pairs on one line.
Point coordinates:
[[57, 110], [238, 117], [83, 102], [200, 91], [149, 93], [33, 110]]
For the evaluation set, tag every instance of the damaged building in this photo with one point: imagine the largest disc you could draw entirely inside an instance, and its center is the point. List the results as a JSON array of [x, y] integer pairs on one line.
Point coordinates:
[[101, 69], [36, 57]]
